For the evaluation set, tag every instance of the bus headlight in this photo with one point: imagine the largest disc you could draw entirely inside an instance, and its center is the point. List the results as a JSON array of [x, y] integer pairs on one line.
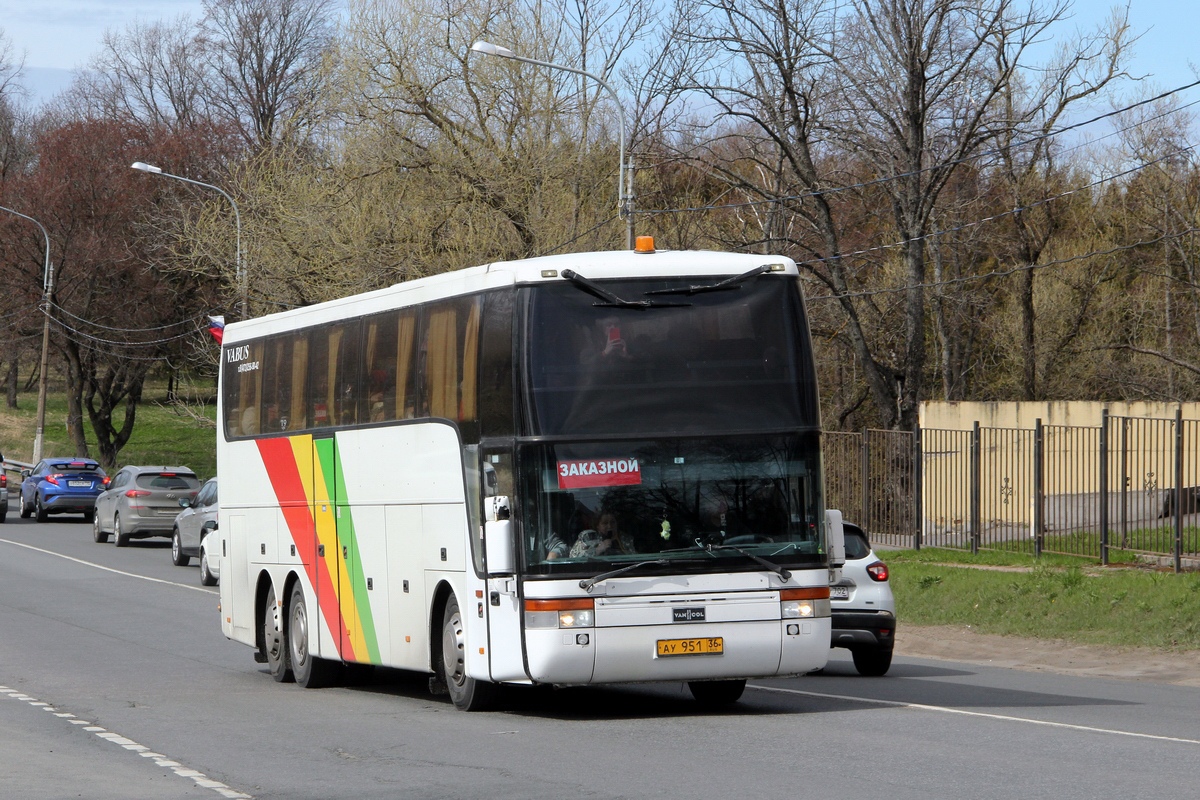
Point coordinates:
[[797, 609], [566, 613], [804, 603]]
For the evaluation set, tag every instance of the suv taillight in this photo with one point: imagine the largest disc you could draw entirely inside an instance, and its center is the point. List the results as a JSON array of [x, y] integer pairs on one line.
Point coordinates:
[[878, 571], [137, 493]]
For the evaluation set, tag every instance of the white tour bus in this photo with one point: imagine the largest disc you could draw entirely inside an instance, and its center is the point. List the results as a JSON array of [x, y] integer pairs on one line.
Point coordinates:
[[577, 469]]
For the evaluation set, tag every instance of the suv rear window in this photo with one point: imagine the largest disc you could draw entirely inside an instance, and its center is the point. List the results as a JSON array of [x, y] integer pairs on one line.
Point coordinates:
[[857, 545], [176, 481]]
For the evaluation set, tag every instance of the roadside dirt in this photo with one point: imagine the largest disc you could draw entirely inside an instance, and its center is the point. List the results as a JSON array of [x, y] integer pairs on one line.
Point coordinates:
[[1048, 655]]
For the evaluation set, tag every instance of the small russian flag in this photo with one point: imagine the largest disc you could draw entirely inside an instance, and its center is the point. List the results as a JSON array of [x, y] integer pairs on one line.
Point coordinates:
[[216, 326]]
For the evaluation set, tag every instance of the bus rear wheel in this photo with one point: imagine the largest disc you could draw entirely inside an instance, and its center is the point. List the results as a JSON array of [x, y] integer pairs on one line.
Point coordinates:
[[717, 693], [311, 672], [275, 642], [468, 694]]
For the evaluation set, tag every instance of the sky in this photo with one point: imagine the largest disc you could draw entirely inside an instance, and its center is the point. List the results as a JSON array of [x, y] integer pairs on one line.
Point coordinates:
[[60, 35]]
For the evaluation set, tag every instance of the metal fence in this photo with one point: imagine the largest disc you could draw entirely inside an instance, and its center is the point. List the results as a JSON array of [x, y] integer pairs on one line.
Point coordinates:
[[1131, 484]]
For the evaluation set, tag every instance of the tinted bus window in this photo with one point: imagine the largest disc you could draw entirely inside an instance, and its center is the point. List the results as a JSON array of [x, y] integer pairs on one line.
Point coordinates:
[[243, 388], [450, 360], [390, 348], [735, 360], [496, 365]]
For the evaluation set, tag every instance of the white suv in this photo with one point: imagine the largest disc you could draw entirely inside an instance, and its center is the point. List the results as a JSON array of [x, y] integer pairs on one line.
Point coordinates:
[[862, 607]]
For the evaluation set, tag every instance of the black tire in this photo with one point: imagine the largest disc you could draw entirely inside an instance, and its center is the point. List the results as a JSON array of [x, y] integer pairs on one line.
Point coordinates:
[[468, 694], [311, 672], [177, 556], [206, 577], [119, 539], [872, 662], [98, 535], [275, 642], [717, 693], [88, 516], [26, 511], [39, 510]]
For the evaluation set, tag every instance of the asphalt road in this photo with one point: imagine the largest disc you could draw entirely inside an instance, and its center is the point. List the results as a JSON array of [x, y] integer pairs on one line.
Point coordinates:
[[115, 682]]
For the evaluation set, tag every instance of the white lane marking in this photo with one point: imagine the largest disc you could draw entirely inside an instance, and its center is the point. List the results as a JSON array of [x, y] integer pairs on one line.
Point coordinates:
[[195, 776], [985, 715], [108, 569]]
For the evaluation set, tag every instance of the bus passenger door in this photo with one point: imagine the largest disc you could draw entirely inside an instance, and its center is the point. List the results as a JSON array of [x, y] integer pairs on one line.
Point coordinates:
[[503, 603]]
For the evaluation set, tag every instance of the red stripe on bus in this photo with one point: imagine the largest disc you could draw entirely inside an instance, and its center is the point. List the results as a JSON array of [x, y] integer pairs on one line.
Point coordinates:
[[284, 474]]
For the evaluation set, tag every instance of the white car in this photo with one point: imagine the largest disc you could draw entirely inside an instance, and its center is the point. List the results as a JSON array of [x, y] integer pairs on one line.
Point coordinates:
[[190, 524], [862, 608], [210, 566]]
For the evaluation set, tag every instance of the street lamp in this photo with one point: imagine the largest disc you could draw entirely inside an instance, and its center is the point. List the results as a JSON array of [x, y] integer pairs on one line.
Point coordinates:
[[241, 273], [624, 194], [47, 291]]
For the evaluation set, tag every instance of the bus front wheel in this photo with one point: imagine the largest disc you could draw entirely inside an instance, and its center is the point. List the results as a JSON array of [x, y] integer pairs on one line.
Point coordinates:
[[468, 694], [311, 672]]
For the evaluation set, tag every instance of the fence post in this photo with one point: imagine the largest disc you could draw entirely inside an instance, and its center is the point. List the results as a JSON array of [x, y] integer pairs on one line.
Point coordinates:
[[865, 482], [1039, 488], [1124, 482], [918, 489], [976, 459], [1178, 490], [1104, 487]]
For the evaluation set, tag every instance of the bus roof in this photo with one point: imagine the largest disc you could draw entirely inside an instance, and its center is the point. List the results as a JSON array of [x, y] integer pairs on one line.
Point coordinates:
[[598, 265]]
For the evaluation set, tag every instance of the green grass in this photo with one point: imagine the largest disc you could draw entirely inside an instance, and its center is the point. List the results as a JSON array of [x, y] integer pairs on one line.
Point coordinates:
[[1054, 599], [161, 434]]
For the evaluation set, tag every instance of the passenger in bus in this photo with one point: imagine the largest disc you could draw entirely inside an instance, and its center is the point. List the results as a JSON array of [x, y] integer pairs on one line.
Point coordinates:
[[604, 540]]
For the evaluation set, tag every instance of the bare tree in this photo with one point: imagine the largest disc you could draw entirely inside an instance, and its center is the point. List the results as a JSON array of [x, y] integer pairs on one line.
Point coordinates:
[[149, 73], [266, 59], [889, 97]]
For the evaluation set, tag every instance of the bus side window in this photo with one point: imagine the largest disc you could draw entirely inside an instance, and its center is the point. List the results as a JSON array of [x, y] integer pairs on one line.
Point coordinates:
[[317, 396]]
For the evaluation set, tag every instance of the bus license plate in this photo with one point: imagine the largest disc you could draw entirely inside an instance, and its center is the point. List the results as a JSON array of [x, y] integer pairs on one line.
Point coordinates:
[[691, 647]]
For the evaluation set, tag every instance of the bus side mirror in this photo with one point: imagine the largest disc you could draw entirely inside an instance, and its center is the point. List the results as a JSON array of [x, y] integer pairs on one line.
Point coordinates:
[[836, 538], [497, 537]]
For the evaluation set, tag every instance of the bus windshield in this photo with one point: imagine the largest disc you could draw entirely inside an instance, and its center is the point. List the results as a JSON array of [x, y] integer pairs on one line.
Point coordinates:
[[730, 360], [592, 506]]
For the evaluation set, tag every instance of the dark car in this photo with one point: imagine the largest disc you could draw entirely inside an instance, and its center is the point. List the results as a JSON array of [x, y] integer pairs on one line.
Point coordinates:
[[61, 486], [141, 502], [862, 608]]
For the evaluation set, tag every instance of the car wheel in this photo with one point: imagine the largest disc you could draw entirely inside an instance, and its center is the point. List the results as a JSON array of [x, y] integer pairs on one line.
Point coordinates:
[[119, 539], [311, 672], [275, 642], [468, 694], [206, 577], [717, 693], [26, 511], [98, 535], [40, 510], [872, 662], [177, 556]]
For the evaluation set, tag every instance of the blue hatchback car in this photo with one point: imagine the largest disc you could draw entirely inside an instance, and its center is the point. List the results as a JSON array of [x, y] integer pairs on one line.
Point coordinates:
[[62, 486]]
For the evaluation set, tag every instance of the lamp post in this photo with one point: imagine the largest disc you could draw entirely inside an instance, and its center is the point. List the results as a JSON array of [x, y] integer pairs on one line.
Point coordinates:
[[47, 291], [237, 217], [624, 193]]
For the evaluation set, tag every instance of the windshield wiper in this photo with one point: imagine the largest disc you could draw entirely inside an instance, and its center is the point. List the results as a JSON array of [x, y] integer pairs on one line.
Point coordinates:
[[720, 286], [771, 565], [611, 300], [588, 583]]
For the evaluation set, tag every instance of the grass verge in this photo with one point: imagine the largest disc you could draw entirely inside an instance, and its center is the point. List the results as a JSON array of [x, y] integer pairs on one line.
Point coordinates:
[[162, 434], [1056, 598]]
